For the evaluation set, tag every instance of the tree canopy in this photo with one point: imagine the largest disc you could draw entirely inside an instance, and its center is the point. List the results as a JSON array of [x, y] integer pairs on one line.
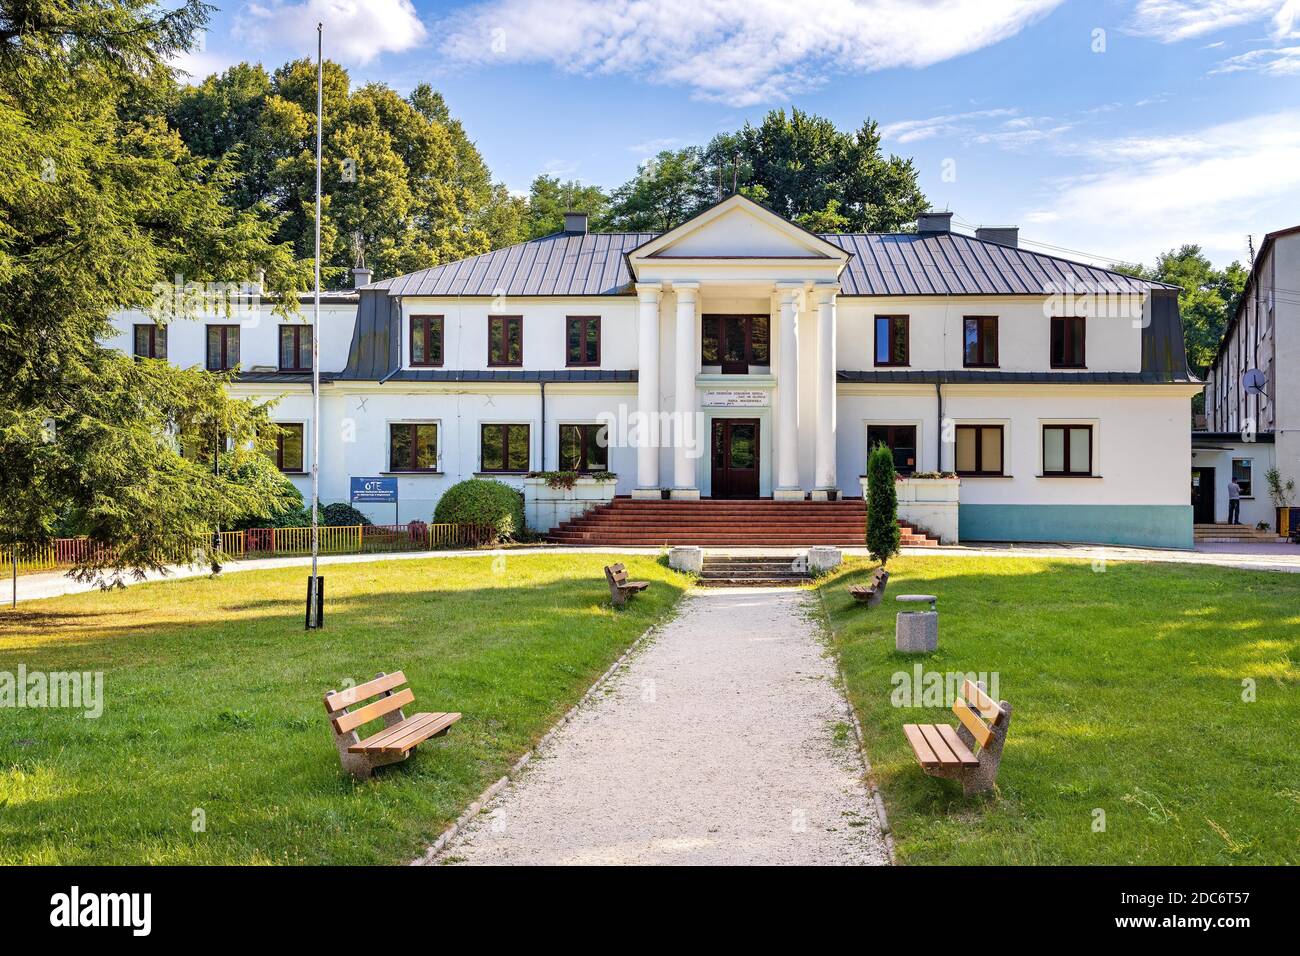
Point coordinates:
[[402, 183], [102, 200]]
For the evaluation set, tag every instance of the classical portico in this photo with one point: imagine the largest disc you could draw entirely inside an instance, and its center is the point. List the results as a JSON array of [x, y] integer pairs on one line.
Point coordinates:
[[736, 334]]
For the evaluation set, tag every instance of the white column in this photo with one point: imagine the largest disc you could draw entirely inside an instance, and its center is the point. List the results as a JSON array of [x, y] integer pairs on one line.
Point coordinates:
[[824, 477], [787, 394], [647, 391], [687, 354]]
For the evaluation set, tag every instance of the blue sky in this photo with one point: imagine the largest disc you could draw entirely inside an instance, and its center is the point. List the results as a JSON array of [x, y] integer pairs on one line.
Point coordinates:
[[1118, 129]]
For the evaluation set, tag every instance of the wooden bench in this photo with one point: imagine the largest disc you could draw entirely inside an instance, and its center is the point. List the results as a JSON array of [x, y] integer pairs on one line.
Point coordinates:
[[619, 586], [945, 751], [873, 591], [347, 711]]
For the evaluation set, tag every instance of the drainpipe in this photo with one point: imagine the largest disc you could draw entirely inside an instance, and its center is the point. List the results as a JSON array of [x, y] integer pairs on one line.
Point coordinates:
[[542, 387], [938, 431]]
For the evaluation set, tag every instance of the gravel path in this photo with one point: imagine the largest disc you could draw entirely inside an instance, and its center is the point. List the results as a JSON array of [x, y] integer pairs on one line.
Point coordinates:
[[724, 740]]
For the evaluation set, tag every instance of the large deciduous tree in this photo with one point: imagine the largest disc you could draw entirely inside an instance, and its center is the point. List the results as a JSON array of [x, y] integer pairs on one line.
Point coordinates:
[[402, 182], [799, 165], [100, 202]]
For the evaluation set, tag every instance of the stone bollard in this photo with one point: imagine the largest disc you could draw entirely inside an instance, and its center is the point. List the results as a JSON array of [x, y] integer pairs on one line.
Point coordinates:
[[917, 632], [687, 558], [822, 559]]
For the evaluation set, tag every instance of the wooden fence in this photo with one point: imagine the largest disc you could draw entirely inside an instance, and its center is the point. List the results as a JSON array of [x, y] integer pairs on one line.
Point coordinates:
[[268, 542]]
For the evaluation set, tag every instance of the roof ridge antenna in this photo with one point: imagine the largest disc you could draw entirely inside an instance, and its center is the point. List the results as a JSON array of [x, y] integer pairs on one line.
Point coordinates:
[[1250, 248]]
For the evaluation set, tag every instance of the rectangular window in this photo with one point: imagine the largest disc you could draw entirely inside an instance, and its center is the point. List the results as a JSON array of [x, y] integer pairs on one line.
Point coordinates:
[[1242, 472], [295, 348], [582, 340], [505, 340], [1068, 333], [1067, 449], [735, 342], [891, 340], [150, 341], [504, 448], [900, 439], [223, 347], [980, 341], [288, 446], [979, 450], [413, 446], [426, 340], [583, 448]]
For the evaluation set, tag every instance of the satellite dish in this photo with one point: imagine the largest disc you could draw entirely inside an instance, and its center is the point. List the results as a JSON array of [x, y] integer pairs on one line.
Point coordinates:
[[1253, 381]]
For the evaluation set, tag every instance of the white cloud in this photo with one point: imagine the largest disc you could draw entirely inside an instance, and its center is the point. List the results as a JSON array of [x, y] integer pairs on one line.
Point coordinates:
[[1170, 21], [1141, 195], [741, 52], [1009, 130], [1279, 61], [356, 31]]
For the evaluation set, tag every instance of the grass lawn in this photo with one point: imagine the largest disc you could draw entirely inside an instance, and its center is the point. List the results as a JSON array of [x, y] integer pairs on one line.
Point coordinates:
[[1126, 689], [212, 702]]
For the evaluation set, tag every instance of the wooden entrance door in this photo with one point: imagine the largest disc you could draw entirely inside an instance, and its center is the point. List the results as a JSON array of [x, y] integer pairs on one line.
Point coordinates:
[[1203, 495], [735, 457]]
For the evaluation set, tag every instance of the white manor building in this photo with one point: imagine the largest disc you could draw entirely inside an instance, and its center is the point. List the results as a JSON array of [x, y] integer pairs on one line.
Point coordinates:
[[1058, 392]]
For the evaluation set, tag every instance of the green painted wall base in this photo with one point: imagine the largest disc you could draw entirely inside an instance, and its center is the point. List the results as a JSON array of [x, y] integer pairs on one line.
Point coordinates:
[[1150, 526]]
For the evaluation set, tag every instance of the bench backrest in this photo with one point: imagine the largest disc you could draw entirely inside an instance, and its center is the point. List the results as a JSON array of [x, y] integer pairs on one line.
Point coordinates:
[[616, 573], [977, 711], [384, 687]]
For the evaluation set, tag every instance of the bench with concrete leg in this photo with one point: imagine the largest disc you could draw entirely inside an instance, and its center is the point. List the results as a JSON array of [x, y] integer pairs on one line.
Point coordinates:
[[401, 734], [944, 751]]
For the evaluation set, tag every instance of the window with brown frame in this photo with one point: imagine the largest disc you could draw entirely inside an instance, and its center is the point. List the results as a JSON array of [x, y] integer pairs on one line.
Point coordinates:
[[980, 341], [223, 347], [1068, 337], [149, 341], [583, 448], [426, 340], [295, 348], [979, 450], [504, 448], [1067, 450], [735, 342], [505, 340], [413, 446], [582, 340], [289, 446], [900, 440], [892, 340]]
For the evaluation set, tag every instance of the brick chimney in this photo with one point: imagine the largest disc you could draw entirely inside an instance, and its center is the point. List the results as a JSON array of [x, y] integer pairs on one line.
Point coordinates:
[[575, 223], [361, 275], [1002, 235], [934, 222]]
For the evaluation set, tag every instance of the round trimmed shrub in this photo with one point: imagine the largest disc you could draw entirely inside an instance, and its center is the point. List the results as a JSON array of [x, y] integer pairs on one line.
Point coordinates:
[[341, 514], [483, 501]]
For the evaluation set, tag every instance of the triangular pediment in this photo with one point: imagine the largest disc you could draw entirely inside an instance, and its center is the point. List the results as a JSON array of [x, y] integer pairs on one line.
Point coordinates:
[[738, 228]]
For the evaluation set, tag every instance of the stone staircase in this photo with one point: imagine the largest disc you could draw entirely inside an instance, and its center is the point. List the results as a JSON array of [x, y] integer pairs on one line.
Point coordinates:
[[1232, 534], [753, 570], [738, 524]]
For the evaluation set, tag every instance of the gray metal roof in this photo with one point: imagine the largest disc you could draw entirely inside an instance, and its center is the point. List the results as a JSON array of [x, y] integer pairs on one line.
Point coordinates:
[[561, 264], [879, 264]]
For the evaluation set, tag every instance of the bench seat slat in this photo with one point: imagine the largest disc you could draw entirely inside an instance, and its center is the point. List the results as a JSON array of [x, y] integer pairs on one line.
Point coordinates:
[[634, 585], [922, 749], [402, 737], [351, 695], [941, 750], [959, 749], [362, 715]]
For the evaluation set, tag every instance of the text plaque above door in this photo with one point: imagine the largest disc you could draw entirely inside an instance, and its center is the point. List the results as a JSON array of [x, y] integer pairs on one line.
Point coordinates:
[[736, 398]]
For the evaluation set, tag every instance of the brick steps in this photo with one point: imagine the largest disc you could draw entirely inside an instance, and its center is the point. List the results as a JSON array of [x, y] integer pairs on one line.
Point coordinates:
[[626, 521], [723, 571]]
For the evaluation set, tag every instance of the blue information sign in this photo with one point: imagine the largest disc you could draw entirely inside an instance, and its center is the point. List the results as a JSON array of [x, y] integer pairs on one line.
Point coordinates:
[[374, 491]]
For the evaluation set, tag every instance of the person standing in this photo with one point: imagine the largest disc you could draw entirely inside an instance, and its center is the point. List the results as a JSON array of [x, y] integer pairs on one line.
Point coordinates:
[[1234, 502]]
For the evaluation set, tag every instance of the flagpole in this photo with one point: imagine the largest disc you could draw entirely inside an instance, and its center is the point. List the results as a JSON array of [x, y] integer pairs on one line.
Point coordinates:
[[315, 348]]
